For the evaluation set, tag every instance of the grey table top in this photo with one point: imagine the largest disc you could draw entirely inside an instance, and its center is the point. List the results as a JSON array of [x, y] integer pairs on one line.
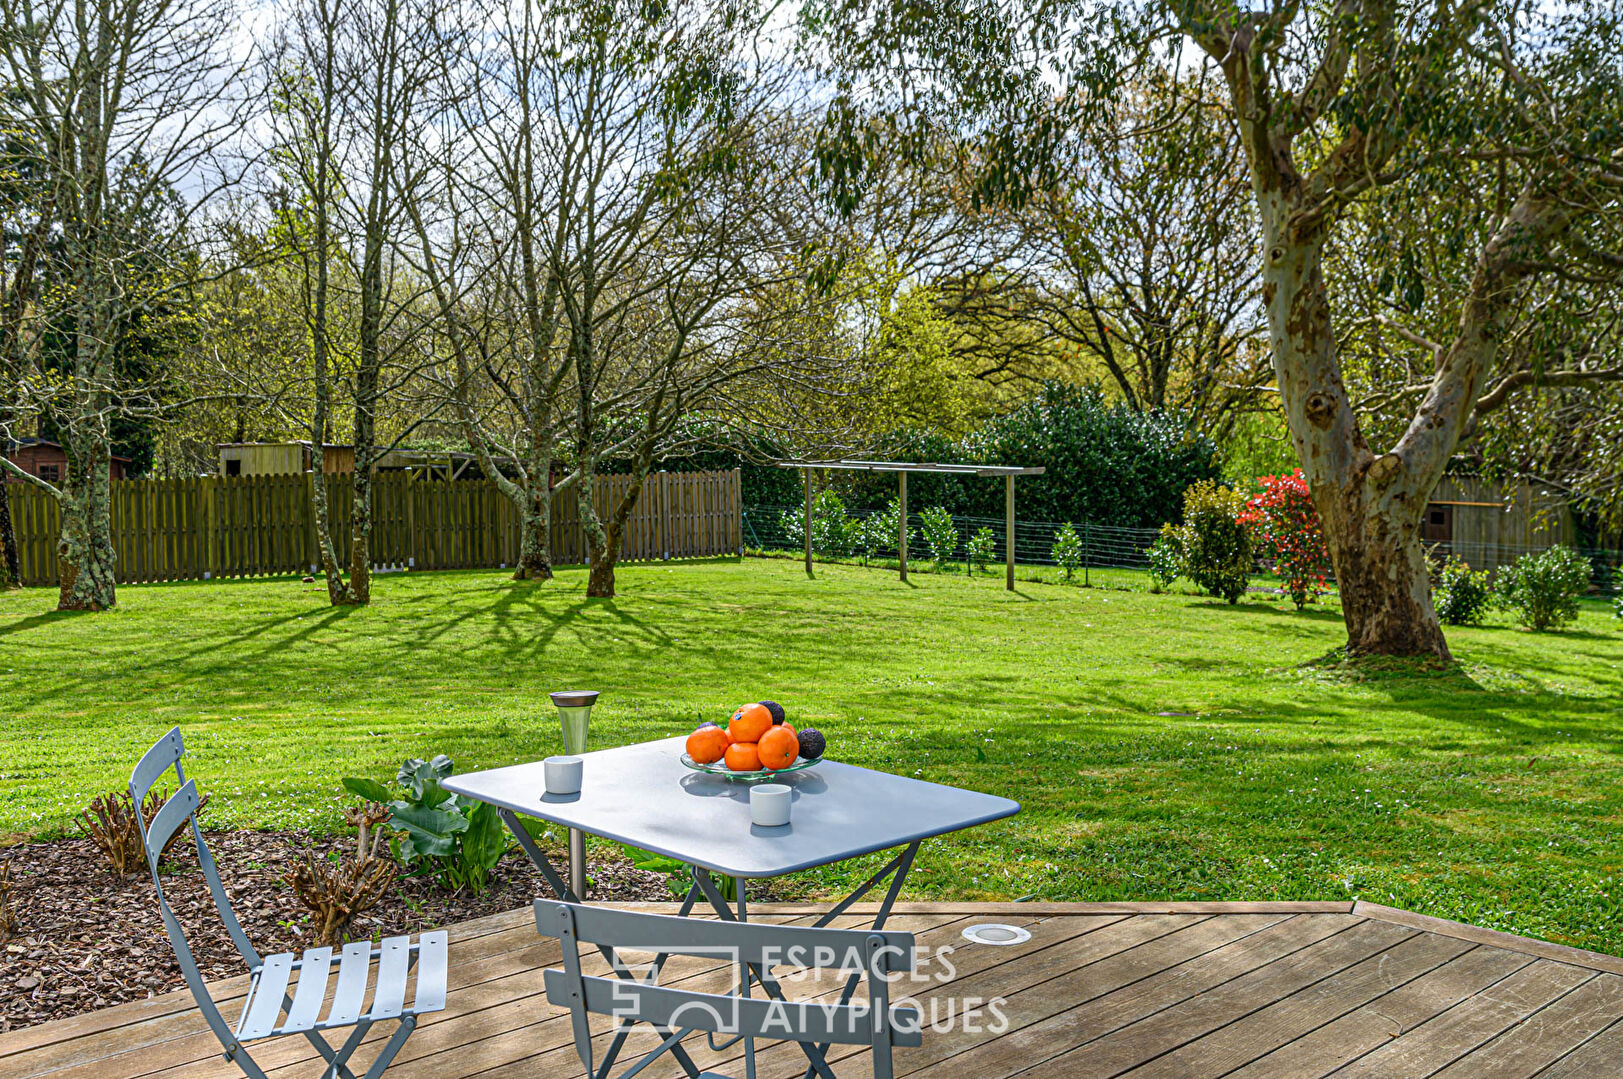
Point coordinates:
[[643, 795]]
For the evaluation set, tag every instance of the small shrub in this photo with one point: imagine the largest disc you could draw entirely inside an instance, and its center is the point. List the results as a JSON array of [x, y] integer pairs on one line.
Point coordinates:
[[1067, 550], [1543, 588], [1165, 558], [982, 547], [1617, 606], [940, 534], [111, 823], [880, 532], [1286, 532], [1216, 544], [456, 840], [1462, 595], [336, 889], [835, 534]]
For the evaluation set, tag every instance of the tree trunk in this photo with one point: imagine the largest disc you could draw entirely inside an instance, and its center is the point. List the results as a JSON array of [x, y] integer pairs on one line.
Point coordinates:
[[1380, 567], [11, 573], [1370, 507], [85, 547], [535, 533]]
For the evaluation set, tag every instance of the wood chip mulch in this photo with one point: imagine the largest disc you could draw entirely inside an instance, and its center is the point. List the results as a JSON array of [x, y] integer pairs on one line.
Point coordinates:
[[89, 940]]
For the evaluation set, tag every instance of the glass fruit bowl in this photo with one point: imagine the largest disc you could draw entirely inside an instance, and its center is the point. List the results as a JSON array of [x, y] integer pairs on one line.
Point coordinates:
[[719, 768]]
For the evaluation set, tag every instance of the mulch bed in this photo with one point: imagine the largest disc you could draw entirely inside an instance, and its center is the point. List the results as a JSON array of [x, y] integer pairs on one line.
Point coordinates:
[[89, 940]]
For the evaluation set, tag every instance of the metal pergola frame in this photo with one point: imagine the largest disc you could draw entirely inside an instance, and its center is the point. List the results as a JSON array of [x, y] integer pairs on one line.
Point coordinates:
[[902, 468]]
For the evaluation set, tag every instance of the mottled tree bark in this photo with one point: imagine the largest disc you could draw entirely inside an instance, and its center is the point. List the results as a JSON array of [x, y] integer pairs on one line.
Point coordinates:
[[11, 574], [84, 547]]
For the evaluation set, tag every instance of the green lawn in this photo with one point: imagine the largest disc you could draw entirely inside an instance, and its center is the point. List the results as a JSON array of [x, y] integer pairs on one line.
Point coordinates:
[[1164, 747]]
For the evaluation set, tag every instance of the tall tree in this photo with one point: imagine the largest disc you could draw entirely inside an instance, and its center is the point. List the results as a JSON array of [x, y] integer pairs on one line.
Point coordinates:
[[347, 83], [126, 99]]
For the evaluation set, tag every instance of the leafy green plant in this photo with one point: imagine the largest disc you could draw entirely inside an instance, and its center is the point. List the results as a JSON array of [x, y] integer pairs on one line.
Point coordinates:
[[982, 547], [835, 534], [1462, 595], [940, 534], [1216, 542], [456, 840], [1067, 550], [1164, 558], [1543, 588], [880, 531], [1617, 606]]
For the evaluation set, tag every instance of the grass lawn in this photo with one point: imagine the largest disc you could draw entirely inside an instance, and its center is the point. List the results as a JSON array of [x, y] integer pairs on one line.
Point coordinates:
[[1164, 747]]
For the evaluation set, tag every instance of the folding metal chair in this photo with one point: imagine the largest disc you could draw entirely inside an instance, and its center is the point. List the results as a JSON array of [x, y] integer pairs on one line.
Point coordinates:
[[263, 1011], [756, 949]]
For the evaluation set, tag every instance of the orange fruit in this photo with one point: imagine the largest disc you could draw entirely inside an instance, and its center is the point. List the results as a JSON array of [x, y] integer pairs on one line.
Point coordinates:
[[744, 757], [778, 748], [749, 723], [707, 745]]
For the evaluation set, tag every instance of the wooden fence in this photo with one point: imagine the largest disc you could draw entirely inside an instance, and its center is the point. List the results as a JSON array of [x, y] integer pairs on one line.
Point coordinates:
[[249, 526]]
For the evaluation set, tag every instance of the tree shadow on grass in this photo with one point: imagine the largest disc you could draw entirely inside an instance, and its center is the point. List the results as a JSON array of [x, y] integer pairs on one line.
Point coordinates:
[[1319, 614], [44, 618]]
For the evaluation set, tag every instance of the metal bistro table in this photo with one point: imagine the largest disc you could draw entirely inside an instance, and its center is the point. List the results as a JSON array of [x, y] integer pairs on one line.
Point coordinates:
[[643, 795]]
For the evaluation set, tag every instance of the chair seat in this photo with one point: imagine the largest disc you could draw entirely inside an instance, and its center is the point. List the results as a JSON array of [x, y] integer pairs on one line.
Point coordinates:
[[393, 959]]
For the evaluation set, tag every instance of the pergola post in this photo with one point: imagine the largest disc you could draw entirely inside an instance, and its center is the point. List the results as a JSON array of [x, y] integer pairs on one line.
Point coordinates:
[[1008, 530], [901, 540], [808, 473]]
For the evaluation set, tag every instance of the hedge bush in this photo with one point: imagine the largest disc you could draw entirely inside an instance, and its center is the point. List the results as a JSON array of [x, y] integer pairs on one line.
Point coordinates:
[[1463, 595], [1216, 544], [1543, 588]]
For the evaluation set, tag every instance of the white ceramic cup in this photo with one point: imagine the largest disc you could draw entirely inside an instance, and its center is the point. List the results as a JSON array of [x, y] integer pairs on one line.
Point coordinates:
[[769, 804], [563, 775]]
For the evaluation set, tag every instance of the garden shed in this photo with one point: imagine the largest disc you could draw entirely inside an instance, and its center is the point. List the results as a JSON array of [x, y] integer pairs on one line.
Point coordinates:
[[1489, 525]]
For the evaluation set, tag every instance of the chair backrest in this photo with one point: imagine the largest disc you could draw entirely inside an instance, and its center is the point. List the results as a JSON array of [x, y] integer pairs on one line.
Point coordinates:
[[166, 754], [874, 954]]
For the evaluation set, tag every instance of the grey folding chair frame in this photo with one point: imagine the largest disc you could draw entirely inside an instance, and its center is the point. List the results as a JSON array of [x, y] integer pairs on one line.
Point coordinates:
[[676, 1013], [267, 996]]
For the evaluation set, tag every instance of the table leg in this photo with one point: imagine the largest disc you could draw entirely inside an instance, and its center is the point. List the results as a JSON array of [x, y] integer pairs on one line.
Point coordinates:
[[538, 857], [897, 869]]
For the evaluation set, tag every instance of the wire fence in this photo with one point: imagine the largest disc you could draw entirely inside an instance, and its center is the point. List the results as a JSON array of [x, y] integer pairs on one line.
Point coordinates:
[[871, 535]]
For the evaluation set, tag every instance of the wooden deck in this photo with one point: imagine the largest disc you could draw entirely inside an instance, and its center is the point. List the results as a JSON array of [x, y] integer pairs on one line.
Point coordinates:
[[1175, 990]]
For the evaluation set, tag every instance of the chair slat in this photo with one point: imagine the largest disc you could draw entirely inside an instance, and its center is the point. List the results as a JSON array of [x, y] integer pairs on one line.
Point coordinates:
[[805, 1021], [154, 763], [265, 1000], [394, 963], [168, 819], [431, 972], [352, 970], [312, 991]]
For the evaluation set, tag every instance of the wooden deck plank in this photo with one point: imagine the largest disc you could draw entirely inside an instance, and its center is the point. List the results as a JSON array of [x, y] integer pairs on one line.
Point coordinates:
[[1322, 1051], [1101, 997], [1544, 1037], [979, 972], [1180, 991], [1600, 1055], [1286, 1020], [1173, 1026], [1438, 1042]]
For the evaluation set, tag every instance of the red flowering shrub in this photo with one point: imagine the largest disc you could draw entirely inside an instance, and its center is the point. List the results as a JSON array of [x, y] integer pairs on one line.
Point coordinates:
[[1285, 528]]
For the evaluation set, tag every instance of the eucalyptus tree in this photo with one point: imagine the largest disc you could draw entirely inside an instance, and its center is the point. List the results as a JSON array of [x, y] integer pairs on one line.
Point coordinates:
[[1331, 106], [124, 100]]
